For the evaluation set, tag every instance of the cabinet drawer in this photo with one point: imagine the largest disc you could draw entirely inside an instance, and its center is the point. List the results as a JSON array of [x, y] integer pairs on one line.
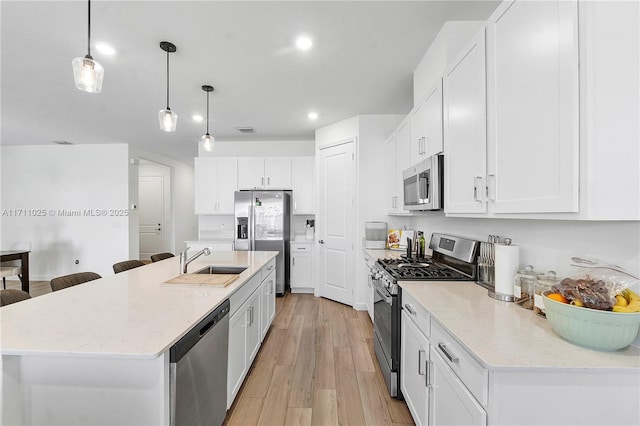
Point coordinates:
[[301, 247], [238, 298], [266, 270], [470, 372], [417, 313]]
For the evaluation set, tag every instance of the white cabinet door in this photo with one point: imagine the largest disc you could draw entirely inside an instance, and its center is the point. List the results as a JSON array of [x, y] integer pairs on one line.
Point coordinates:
[[403, 161], [533, 107], [238, 366], [392, 175], [426, 125], [254, 329], [226, 184], [215, 181], [301, 270], [452, 403], [251, 173], [303, 184], [268, 308], [465, 130], [277, 172], [205, 177], [414, 356]]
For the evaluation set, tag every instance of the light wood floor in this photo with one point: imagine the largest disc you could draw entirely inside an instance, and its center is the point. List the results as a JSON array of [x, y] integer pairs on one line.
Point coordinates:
[[317, 366]]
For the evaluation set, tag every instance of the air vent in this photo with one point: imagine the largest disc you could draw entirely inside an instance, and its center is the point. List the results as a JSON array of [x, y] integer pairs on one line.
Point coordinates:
[[62, 142], [245, 129]]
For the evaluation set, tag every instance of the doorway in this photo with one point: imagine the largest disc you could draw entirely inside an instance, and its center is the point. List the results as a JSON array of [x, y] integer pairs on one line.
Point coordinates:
[[336, 226], [154, 208]]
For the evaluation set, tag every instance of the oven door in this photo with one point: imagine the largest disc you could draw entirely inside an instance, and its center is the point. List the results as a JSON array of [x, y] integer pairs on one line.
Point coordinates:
[[383, 329]]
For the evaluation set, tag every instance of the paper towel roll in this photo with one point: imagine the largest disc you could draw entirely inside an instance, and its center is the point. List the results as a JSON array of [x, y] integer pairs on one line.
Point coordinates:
[[507, 262]]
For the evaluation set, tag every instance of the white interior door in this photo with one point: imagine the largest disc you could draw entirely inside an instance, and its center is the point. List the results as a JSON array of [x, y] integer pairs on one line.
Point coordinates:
[[336, 225], [151, 214]]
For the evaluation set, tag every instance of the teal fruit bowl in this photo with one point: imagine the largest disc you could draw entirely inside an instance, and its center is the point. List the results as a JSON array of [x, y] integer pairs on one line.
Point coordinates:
[[592, 328]]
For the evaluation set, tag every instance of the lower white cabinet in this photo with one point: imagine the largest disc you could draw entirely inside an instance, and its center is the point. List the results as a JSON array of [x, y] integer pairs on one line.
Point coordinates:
[[253, 307], [244, 341], [268, 309], [414, 361], [301, 277], [451, 402]]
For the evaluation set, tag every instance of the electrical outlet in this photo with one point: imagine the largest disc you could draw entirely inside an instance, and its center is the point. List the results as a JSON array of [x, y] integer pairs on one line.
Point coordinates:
[[222, 226]]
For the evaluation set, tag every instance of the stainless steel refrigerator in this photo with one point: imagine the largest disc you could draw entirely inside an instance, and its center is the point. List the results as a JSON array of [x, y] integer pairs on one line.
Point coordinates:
[[262, 224]]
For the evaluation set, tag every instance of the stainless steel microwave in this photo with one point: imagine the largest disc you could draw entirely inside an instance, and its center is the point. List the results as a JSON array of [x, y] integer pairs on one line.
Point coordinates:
[[423, 184]]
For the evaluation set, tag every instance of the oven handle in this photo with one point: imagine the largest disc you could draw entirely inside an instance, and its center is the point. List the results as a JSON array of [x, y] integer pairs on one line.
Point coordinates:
[[388, 299]]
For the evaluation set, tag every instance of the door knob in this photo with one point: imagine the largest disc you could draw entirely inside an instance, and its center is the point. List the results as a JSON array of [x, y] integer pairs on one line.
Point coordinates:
[[321, 241], [159, 229]]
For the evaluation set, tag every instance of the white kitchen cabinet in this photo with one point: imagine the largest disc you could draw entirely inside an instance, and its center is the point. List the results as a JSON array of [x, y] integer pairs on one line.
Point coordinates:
[[264, 172], [414, 359], [452, 403], [465, 130], [301, 277], [303, 185], [215, 181], [268, 302], [533, 107], [397, 159], [426, 125], [244, 341]]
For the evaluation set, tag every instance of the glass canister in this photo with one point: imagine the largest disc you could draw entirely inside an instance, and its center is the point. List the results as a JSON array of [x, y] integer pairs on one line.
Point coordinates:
[[543, 283], [524, 286]]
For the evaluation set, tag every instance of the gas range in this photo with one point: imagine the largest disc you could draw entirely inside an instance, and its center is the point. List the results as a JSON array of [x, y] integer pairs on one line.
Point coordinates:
[[453, 259]]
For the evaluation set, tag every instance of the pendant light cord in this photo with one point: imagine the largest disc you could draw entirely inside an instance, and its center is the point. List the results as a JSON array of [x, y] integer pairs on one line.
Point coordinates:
[[168, 79], [89, 30], [207, 113]]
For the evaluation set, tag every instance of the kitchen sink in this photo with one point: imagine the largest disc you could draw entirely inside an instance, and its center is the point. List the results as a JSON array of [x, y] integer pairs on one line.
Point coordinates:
[[208, 270]]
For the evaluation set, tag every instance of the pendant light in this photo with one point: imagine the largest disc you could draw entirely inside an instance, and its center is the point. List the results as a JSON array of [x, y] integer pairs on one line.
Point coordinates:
[[88, 73], [207, 140], [168, 118]]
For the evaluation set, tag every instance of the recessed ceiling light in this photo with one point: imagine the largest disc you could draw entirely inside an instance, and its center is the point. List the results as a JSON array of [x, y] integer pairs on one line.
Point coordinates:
[[304, 43], [105, 49], [312, 116], [197, 118]]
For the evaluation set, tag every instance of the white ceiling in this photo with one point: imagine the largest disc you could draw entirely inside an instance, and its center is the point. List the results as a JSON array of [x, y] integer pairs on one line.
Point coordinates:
[[362, 61]]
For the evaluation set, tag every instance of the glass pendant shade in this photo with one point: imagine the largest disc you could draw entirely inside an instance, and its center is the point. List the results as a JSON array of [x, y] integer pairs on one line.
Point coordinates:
[[88, 74], [207, 142], [168, 120]]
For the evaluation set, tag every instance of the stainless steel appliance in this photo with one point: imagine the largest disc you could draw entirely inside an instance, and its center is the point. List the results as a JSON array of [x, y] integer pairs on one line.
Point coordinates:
[[424, 184], [198, 372], [262, 220], [453, 259]]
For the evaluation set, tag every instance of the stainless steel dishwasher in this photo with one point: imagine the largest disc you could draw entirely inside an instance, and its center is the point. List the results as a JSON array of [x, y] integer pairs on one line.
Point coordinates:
[[198, 372]]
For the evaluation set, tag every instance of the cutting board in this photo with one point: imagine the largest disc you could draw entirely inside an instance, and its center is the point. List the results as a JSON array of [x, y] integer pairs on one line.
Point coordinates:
[[215, 280]]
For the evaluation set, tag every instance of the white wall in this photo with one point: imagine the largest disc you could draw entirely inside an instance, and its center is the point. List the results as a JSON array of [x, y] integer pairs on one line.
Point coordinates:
[[259, 149], [78, 180]]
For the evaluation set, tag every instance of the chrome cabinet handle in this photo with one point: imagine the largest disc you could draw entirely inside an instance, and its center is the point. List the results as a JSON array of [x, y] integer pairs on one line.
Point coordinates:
[[293, 261], [446, 353], [429, 374], [408, 308], [295, 206], [494, 187], [268, 180], [421, 363], [262, 181]]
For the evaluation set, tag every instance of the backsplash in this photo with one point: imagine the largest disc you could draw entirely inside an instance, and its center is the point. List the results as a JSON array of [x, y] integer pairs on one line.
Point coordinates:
[[215, 227]]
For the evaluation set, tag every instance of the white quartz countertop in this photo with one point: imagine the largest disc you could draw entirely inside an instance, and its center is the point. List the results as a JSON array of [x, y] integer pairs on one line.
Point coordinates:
[[133, 314], [501, 335]]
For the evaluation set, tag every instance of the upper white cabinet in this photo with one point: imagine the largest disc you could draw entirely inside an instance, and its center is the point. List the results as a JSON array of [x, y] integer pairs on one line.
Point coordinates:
[[426, 125], [302, 183], [521, 154], [264, 172], [216, 180], [465, 130], [397, 159], [533, 107]]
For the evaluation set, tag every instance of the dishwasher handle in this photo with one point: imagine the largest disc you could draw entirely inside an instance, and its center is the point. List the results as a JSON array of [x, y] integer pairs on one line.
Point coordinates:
[[189, 340]]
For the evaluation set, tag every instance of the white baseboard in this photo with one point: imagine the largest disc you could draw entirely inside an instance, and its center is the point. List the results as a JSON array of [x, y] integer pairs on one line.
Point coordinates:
[[306, 290], [360, 306]]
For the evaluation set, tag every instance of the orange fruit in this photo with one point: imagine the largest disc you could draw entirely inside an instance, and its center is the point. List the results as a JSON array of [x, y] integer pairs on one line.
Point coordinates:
[[557, 297]]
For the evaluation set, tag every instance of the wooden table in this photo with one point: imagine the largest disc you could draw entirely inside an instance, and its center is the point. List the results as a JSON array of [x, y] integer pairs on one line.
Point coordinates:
[[23, 256]]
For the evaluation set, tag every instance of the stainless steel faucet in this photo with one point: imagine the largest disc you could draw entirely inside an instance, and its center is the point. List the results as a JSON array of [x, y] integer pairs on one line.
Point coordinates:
[[184, 262]]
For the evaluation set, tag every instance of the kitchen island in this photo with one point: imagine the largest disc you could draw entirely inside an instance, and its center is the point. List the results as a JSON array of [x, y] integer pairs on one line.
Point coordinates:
[[97, 353]]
